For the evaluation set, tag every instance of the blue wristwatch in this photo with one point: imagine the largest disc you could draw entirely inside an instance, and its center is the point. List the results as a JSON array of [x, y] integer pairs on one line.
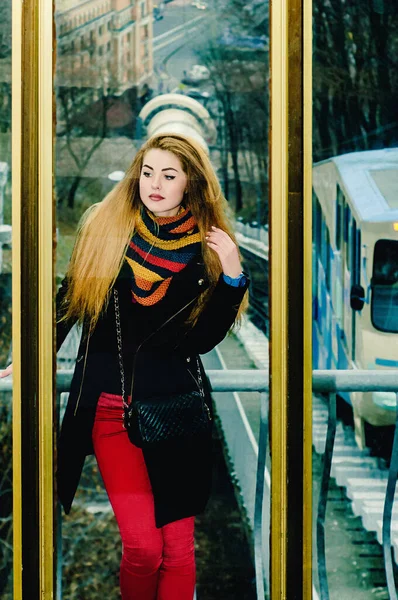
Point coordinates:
[[238, 281]]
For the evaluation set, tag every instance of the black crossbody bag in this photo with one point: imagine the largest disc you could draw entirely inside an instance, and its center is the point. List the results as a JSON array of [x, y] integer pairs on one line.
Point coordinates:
[[162, 418]]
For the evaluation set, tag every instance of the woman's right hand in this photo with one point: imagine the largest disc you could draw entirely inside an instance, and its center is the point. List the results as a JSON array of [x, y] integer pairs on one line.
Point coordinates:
[[6, 371]]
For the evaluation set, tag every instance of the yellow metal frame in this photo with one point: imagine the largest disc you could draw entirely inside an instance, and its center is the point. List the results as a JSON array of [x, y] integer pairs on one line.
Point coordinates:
[[37, 74], [278, 312], [43, 31], [45, 273], [291, 24]]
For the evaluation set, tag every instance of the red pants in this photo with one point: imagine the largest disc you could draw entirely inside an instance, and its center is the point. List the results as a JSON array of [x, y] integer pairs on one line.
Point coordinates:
[[157, 564]]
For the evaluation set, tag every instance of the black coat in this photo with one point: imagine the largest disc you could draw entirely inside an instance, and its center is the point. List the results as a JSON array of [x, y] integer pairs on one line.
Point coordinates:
[[180, 473]]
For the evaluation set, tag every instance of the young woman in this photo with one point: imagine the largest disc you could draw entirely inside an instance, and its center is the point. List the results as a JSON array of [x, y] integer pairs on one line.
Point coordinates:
[[160, 240]]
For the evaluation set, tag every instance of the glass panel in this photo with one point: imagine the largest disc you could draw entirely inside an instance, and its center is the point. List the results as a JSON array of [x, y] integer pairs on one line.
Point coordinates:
[[6, 541], [127, 70], [355, 178]]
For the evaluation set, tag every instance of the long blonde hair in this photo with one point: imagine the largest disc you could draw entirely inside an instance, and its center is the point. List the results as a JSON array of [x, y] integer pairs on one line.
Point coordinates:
[[106, 229]]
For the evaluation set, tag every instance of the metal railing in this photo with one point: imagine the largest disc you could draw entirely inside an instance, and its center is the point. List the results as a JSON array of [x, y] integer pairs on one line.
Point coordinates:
[[325, 382]]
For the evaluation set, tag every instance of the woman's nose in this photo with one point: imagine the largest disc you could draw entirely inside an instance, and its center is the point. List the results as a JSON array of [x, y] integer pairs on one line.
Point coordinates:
[[155, 183]]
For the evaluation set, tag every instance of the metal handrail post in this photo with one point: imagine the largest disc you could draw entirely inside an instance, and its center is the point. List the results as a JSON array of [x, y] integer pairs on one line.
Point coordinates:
[[259, 552], [387, 512], [323, 497]]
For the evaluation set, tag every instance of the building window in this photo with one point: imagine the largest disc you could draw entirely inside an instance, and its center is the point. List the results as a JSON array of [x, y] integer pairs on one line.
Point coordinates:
[[109, 25], [142, 10], [101, 50], [101, 30], [108, 47], [128, 57], [129, 37]]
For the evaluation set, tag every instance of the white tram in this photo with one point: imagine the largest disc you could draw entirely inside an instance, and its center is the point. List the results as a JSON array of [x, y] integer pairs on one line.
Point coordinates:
[[355, 273]]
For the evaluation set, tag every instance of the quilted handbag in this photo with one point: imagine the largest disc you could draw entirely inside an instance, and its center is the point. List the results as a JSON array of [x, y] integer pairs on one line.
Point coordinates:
[[165, 418], [153, 420]]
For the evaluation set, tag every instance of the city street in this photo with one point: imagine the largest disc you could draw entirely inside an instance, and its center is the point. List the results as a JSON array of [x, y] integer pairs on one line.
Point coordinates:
[[176, 38]]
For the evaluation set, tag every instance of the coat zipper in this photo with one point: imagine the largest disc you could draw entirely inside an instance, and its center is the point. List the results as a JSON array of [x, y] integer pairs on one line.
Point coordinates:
[[84, 370], [149, 336]]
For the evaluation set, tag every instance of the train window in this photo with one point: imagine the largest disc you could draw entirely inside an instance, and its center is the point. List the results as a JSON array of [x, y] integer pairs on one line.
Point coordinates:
[[384, 306], [323, 248], [347, 235], [318, 225], [339, 217], [317, 216], [355, 264], [314, 250], [327, 258]]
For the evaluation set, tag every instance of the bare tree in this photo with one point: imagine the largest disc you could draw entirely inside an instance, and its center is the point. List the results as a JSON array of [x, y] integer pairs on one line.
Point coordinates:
[[237, 58], [81, 153], [86, 89], [355, 75], [242, 109]]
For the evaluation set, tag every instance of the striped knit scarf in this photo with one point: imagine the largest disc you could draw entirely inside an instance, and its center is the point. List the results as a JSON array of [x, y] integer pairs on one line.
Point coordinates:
[[160, 248]]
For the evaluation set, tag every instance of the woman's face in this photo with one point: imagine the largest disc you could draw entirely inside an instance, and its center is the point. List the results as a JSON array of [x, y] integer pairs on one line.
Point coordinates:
[[162, 182]]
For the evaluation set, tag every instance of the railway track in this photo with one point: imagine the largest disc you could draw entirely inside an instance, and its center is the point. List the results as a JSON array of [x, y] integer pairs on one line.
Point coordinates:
[[257, 268]]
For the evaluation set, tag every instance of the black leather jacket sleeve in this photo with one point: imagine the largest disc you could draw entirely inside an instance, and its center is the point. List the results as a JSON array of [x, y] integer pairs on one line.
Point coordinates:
[[216, 319]]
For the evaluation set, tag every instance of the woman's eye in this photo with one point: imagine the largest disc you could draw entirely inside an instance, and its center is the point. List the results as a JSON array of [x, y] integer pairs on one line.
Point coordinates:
[[170, 177], [146, 173]]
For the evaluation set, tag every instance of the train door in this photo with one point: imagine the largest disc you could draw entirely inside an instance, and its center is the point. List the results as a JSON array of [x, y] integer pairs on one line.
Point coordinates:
[[338, 279], [347, 268], [355, 280]]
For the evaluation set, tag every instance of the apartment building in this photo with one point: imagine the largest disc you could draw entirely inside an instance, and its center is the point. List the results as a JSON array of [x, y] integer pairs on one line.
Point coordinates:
[[104, 44]]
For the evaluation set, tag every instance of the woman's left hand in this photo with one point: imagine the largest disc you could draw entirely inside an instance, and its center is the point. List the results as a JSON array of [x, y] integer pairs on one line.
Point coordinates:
[[226, 250]]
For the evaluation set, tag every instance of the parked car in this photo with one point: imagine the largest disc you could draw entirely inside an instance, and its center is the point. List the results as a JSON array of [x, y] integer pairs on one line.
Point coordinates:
[[196, 74], [157, 14], [199, 4], [197, 94]]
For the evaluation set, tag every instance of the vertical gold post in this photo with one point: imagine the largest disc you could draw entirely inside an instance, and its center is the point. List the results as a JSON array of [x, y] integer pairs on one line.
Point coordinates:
[[307, 316], [278, 293], [16, 295], [290, 152], [32, 228], [45, 273]]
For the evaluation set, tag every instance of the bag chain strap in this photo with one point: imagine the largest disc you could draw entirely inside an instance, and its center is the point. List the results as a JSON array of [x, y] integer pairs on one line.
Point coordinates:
[[199, 383], [119, 346]]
